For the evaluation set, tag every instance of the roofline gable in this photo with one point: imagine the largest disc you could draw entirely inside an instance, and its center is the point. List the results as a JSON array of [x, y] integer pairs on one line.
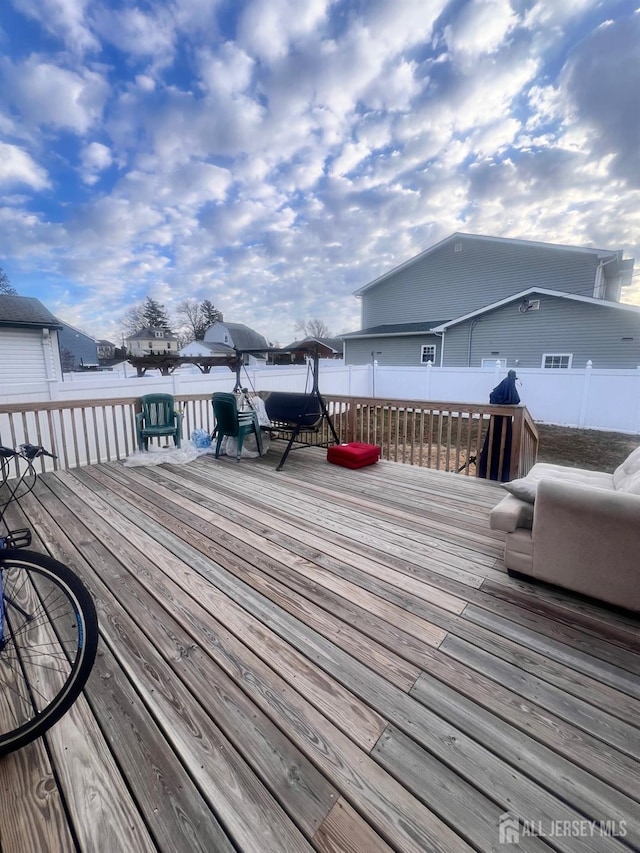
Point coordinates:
[[141, 334], [589, 300]]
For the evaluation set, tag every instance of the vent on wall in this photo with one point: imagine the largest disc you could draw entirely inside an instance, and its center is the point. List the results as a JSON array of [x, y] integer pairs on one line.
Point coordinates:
[[529, 305], [457, 247]]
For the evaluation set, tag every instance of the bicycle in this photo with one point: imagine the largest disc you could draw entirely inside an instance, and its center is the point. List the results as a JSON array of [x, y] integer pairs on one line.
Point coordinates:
[[48, 622]]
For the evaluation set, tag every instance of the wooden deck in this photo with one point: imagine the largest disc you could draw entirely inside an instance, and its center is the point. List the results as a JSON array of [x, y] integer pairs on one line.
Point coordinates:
[[321, 659]]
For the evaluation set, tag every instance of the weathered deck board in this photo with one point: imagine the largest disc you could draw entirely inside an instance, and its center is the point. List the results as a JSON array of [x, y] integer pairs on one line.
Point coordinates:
[[321, 659], [32, 815]]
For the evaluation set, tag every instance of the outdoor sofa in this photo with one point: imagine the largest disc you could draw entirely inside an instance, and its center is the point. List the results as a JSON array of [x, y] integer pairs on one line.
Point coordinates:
[[575, 528]]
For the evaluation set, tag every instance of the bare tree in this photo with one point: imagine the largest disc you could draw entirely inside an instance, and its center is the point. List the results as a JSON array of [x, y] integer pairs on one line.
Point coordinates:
[[190, 312], [313, 328], [5, 285], [132, 320], [149, 313], [197, 317]]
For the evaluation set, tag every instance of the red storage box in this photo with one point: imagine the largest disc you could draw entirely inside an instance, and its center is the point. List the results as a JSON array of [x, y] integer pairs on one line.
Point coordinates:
[[353, 455]]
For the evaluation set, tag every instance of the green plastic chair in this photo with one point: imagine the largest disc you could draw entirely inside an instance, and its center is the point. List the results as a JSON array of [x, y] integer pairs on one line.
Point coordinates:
[[158, 418], [230, 422]]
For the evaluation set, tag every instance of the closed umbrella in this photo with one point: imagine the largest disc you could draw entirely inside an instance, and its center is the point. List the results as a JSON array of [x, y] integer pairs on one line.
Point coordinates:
[[504, 394]]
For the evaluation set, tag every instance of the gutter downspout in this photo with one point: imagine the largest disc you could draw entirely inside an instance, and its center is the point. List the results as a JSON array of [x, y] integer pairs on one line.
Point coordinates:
[[472, 326], [441, 335]]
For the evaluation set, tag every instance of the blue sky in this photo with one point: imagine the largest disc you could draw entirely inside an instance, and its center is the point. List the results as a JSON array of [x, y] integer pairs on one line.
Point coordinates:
[[275, 155]]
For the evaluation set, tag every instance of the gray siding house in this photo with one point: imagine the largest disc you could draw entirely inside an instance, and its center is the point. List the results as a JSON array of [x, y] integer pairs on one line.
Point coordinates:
[[473, 299], [77, 349]]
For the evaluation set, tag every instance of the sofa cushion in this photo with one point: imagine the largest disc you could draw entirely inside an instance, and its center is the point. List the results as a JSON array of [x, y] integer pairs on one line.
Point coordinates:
[[510, 514], [580, 476], [630, 466], [630, 484], [518, 551], [524, 488]]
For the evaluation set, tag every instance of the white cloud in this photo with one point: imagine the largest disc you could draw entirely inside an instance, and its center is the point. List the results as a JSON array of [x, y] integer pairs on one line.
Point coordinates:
[[268, 29], [184, 185], [62, 18], [351, 155], [601, 85], [228, 71], [95, 158], [549, 14], [137, 33], [480, 27], [46, 94], [17, 167]]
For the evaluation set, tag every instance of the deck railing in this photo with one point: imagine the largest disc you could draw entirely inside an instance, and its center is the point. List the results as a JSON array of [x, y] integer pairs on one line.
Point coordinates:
[[441, 435]]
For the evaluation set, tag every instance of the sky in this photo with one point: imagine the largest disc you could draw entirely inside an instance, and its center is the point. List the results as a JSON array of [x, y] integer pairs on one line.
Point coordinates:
[[273, 156]]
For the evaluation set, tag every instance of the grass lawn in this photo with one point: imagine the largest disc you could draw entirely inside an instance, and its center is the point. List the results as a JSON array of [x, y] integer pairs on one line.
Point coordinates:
[[584, 448]]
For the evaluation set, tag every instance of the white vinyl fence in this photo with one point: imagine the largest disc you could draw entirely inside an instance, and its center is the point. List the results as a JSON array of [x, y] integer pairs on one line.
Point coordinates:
[[590, 397]]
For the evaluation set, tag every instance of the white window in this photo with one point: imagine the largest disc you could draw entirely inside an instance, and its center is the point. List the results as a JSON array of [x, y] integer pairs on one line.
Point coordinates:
[[427, 353], [158, 334], [557, 360]]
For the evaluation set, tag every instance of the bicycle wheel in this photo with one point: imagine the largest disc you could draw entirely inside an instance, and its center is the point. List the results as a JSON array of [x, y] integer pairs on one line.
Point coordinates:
[[48, 642]]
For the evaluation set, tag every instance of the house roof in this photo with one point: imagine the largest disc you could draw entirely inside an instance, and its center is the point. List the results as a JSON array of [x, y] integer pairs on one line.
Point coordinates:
[[334, 344], [246, 338], [243, 337], [538, 291], [394, 329], [625, 266], [26, 312], [149, 331], [214, 347]]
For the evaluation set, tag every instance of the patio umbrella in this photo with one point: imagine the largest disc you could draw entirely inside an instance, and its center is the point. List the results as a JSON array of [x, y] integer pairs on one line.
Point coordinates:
[[504, 394]]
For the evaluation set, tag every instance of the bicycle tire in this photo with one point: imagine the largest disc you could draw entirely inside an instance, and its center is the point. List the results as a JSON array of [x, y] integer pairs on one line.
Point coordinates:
[[50, 644]]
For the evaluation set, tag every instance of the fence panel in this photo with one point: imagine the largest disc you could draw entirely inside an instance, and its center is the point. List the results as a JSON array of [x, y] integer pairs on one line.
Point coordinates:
[[586, 397]]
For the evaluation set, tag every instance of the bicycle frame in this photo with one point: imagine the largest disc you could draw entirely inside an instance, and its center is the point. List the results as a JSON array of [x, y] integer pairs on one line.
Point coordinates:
[[15, 538]]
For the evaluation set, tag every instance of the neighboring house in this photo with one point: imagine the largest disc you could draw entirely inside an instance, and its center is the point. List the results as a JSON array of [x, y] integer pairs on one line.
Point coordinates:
[[150, 341], [77, 349], [325, 347], [472, 300], [28, 342], [224, 338], [106, 350]]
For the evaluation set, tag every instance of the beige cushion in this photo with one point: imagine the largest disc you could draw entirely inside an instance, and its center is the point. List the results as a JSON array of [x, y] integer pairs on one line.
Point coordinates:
[[580, 476], [510, 514], [518, 551]]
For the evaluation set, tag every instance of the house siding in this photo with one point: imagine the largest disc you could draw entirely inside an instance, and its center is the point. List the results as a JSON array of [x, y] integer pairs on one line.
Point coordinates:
[[24, 358], [446, 283], [588, 332], [390, 351]]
